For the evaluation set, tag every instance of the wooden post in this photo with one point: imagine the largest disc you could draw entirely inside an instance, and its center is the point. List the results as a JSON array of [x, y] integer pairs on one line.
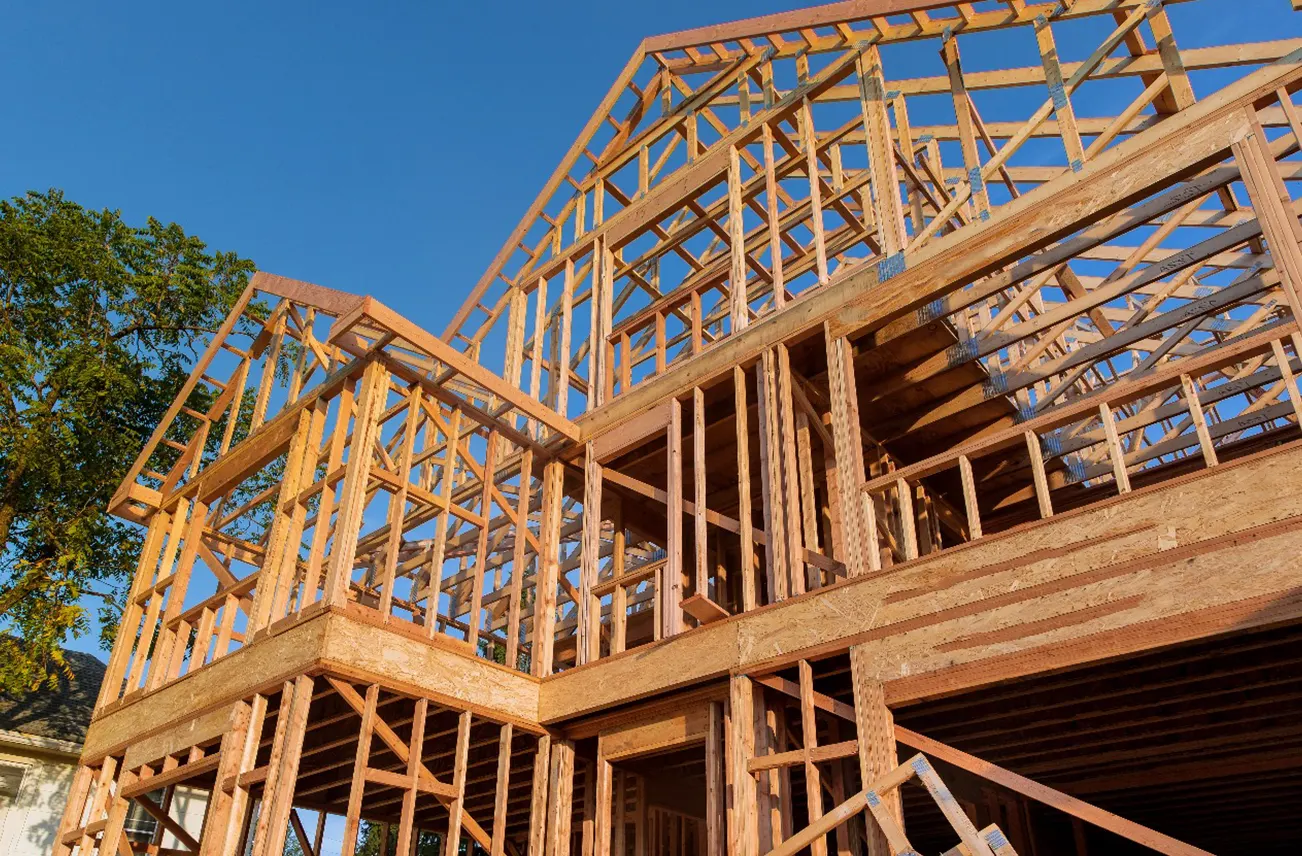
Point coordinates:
[[671, 592], [479, 568], [876, 734], [1063, 111], [741, 750], [966, 128], [810, 145], [858, 519], [78, 793], [908, 527], [538, 802], [547, 579], [289, 575], [1290, 382], [597, 362], [406, 824], [501, 790], [777, 563], [452, 842], [560, 806], [397, 502], [519, 558], [701, 585], [353, 817], [969, 498], [715, 835], [111, 839], [353, 496], [809, 733], [739, 309], [745, 515], [775, 232], [588, 834], [447, 482], [1271, 203], [618, 597], [619, 843], [282, 774], [589, 607], [316, 561], [790, 504], [808, 504], [888, 210], [229, 814], [560, 380], [99, 800], [1037, 471], [1115, 451], [171, 644], [1199, 420], [602, 814]]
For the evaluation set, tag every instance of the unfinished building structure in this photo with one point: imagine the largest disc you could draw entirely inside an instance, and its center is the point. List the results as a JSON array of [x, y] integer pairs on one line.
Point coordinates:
[[881, 435]]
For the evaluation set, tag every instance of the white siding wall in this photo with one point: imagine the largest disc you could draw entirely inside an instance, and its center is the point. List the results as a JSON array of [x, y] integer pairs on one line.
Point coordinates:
[[29, 823]]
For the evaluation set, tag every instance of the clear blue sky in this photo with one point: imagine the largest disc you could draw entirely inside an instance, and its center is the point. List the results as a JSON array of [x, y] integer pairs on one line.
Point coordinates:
[[385, 148], [378, 147]]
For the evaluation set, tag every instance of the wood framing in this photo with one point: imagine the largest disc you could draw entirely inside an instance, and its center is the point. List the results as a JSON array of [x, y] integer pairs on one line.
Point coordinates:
[[853, 391]]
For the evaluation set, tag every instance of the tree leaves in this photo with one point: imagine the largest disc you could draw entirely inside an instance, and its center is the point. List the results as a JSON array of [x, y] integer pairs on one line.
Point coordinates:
[[99, 324]]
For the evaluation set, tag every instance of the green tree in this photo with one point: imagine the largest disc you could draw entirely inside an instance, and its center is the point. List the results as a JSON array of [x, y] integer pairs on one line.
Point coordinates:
[[292, 847], [99, 324], [371, 835]]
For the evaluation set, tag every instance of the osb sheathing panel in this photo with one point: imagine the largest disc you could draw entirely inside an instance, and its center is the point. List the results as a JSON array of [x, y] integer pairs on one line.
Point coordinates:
[[332, 642], [433, 669], [669, 731], [1189, 547], [200, 729], [235, 676]]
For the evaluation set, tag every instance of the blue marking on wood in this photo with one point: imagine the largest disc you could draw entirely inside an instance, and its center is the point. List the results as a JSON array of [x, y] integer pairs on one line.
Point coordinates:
[[933, 310], [892, 265], [963, 352], [1052, 444], [1059, 96]]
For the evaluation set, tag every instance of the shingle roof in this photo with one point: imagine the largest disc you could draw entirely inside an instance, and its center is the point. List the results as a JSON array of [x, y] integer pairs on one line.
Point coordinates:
[[62, 712]]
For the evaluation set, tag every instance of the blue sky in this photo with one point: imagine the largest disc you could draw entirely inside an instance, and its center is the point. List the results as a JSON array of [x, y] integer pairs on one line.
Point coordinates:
[[380, 148], [386, 148]]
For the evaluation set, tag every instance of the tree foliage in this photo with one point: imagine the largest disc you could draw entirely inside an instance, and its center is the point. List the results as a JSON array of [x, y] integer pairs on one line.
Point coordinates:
[[372, 838], [99, 324]]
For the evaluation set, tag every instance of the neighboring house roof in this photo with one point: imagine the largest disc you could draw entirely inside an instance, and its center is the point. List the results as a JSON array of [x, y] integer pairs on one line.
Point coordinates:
[[61, 712]]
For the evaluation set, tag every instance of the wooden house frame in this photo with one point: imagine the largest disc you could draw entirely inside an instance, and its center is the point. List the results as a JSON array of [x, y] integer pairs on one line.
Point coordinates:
[[798, 419]]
